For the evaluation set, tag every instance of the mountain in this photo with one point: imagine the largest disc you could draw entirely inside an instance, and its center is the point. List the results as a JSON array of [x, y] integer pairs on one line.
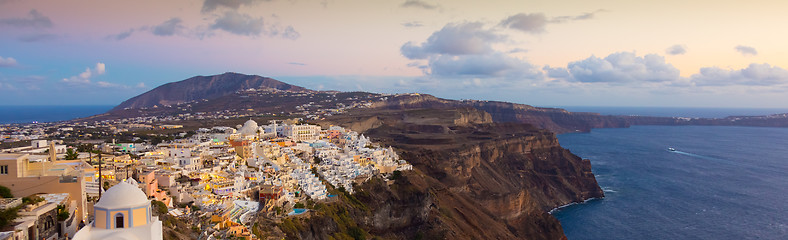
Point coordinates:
[[204, 87]]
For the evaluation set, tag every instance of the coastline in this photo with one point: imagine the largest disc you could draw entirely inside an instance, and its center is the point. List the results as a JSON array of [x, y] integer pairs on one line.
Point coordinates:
[[572, 203], [24, 114]]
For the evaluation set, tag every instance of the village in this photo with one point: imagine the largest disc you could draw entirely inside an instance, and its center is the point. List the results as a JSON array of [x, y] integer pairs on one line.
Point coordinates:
[[222, 175]]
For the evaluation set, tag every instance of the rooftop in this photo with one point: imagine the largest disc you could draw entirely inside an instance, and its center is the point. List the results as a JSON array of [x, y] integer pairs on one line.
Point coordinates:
[[123, 195]]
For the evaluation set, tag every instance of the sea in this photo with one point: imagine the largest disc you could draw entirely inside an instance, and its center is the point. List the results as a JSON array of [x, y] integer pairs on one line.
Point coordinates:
[[30, 114], [719, 183], [690, 112]]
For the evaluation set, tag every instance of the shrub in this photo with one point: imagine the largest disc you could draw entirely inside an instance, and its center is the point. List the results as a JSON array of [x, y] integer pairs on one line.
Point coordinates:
[[357, 233], [5, 192], [62, 213], [32, 199], [395, 175]]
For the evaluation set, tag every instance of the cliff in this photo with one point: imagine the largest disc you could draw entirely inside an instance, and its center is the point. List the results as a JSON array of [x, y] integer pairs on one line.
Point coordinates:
[[203, 87], [472, 179], [553, 119], [561, 121]]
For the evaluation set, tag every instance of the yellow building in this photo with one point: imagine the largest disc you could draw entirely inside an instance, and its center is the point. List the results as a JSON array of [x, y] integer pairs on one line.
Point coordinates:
[[26, 178]]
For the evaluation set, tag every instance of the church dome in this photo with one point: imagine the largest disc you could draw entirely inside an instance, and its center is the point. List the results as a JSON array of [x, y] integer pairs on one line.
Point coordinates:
[[250, 128], [124, 195]]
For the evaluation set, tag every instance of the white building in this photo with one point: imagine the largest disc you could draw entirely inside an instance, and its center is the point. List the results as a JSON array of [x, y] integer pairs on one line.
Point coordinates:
[[123, 212], [302, 132]]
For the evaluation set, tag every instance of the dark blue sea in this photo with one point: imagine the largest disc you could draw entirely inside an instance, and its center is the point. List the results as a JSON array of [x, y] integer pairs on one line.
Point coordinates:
[[720, 183], [29, 114], [691, 112]]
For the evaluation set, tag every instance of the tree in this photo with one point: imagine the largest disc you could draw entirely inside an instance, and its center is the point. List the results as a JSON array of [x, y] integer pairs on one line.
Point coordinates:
[[5, 192], [159, 207], [8, 215], [71, 154]]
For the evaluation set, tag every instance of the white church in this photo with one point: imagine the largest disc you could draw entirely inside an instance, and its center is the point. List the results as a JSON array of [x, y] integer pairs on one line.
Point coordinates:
[[123, 212]]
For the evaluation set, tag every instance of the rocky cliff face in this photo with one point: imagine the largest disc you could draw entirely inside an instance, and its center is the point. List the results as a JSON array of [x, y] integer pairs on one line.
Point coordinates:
[[554, 119], [204, 87], [473, 179]]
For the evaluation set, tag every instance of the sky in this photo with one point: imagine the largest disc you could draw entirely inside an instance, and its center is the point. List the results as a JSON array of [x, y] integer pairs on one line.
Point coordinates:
[[544, 53]]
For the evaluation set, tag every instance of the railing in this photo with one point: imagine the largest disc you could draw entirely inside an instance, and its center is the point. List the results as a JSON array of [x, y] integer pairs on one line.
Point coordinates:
[[70, 220]]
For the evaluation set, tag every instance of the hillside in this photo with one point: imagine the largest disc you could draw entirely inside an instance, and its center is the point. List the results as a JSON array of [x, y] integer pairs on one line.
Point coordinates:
[[204, 87], [472, 179]]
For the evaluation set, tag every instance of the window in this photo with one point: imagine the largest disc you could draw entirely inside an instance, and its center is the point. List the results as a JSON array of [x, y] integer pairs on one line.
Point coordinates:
[[49, 223], [119, 220], [4, 169]]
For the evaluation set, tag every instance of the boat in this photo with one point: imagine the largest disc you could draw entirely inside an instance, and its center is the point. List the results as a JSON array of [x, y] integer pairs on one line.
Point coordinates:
[[671, 149]]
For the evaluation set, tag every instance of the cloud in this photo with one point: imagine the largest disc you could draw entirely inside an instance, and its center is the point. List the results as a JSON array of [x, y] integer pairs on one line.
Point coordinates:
[[465, 50], [412, 24], [556, 73], [84, 77], [100, 68], [140, 85], [290, 33], [169, 27], [230, 21], [246, 25], [495, 64], [584, 16], [210, 5], [536, 23], [105, 84], [419, 4], [30, 79], [7, 62], [454, 39], [518, 50], [622, 67], [121, 36], [34, 20], [676, 50], [6, 86], [240, 24], [297, 63], [417, 65], [530, 23], [35, 37], [29, 82], [745, 50], [754, 75], [173, 26]]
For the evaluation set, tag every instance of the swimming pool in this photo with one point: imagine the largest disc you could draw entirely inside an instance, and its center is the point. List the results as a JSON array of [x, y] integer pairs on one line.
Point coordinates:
[[296, 211]]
